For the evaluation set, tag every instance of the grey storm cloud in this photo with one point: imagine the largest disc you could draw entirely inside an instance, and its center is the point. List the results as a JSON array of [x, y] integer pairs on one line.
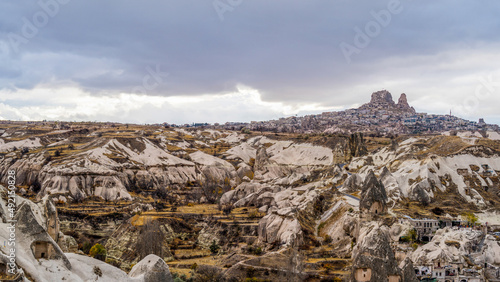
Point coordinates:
[[287, 50]]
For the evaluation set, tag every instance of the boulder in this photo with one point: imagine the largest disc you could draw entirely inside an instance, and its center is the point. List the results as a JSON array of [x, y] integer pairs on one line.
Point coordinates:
[[67, 243], [277, 229], [421, 192], [152, 269]]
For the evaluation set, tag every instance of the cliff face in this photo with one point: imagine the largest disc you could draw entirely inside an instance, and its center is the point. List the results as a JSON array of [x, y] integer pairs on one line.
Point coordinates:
[[403, 104], [382, 98]]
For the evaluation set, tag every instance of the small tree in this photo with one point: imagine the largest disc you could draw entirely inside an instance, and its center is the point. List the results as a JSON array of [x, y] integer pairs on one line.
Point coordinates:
[[226, 209], [226, 187], [150, 240], [214, 248], [98, 252], [471, 218], [35, 186], [211, 189], [86, 247], [411, 235]]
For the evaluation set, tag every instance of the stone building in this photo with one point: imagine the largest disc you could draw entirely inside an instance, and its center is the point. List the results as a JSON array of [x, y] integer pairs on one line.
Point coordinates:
[[425, 227]]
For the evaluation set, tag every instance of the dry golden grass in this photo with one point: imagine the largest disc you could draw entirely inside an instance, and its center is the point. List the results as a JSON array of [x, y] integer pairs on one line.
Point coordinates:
[[316, 260], [215, 151], [181, 271], [199, 209], [207, 260], [373, 143], [173, 148], [356, 194], [494, 144], [443, 145], [139, 220], [183, 254]]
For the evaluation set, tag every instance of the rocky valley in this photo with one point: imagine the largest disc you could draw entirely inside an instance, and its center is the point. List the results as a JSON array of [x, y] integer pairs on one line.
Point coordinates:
[[124, 202]]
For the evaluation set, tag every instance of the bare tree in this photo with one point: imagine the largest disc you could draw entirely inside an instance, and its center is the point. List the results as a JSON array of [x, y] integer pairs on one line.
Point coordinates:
[[211, 189], [226, 187], [150, 239], [196, 194]]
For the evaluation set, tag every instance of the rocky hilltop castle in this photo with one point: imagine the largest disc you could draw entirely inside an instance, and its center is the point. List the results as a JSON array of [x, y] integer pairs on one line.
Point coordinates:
[[381, 116], [382, 100]]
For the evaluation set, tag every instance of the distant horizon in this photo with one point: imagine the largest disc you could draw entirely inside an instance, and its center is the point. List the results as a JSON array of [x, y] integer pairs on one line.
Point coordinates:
[[229, 121]]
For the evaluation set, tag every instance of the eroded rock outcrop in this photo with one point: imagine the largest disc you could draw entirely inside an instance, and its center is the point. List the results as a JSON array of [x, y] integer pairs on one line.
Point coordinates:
[[382, 98], [408, 271], [123, 245], [421, 192], [373, 258], [373, 196], [352, 184], [280, 229], [390, 184], [403, 104], [448, 245], [261, 160]]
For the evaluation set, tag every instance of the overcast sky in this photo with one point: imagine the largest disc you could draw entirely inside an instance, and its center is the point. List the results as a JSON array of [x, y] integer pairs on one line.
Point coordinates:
[[240, 60]]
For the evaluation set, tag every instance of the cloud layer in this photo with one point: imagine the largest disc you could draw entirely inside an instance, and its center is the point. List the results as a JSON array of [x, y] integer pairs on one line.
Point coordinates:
[[243, 60]]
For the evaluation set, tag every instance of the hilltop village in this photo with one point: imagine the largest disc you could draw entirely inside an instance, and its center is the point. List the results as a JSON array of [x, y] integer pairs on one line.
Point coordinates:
[[381, 116]]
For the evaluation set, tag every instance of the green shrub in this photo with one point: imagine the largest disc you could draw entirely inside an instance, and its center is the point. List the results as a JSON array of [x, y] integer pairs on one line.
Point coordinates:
[[98, 252], [320, 226], [86, 247], [257, 251], [214, 248], [414, 246]]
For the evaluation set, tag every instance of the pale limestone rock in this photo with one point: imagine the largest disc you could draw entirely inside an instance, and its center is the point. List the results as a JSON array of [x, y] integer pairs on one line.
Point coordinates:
[[373, 258], [152, 269]]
